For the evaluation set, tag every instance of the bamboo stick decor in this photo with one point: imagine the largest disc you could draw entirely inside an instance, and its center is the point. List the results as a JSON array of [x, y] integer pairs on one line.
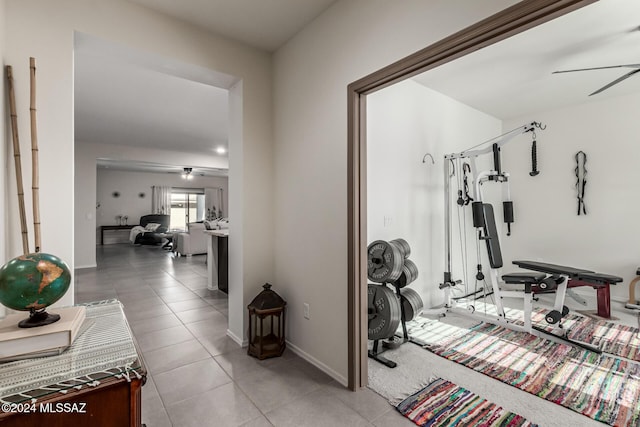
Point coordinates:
[[16, 157], [32, 281], [35, 182]]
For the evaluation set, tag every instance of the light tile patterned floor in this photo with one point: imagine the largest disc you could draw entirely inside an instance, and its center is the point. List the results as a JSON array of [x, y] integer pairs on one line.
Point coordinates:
[[197, 375]]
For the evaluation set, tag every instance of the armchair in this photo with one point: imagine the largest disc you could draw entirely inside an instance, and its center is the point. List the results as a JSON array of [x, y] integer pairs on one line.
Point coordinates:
[[193, 242]]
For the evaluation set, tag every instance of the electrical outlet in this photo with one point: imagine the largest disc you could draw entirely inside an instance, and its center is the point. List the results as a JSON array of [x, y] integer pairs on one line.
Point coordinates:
[[306, 310]]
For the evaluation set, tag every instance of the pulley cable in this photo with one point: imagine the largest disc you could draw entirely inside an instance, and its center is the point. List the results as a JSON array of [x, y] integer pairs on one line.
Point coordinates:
[[462, 230], [479, 274]]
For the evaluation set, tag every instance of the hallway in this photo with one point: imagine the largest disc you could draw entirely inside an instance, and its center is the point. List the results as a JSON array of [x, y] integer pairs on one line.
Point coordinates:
[[197, 376]]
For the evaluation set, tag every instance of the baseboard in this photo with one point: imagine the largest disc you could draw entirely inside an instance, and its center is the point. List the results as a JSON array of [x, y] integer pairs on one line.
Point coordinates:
[[80, 267], [619, 299], [318, 364], [587, 294], [238, 340]]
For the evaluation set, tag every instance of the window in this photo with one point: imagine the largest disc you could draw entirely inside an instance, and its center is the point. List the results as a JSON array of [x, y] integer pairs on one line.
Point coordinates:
[[187, 205]]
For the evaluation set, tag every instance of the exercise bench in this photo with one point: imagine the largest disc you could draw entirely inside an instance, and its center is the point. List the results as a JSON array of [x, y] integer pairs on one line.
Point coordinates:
[[547, 277], [552, 275]]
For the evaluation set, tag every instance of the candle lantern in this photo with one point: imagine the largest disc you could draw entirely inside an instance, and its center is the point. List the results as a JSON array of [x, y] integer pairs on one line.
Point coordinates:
[[266, 324]]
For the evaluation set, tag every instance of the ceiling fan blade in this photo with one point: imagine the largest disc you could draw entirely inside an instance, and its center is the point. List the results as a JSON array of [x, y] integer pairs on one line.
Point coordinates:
[[615, 82], [598, 68]]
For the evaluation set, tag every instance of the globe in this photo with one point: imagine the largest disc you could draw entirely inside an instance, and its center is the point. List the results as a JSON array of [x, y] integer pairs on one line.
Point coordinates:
[[34, 281]]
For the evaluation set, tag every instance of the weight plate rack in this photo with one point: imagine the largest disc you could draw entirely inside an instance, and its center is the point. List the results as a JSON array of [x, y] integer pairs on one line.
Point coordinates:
[[389, 307]]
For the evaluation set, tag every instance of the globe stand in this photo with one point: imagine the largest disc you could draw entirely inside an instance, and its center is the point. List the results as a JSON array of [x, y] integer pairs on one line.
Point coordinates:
[[38, 318]]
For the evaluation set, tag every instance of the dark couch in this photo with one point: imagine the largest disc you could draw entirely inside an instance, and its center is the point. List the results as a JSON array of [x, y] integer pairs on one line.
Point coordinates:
[[153, 237]]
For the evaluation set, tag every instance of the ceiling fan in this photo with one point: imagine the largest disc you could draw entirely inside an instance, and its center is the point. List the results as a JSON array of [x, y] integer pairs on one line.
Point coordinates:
[[636, 68]]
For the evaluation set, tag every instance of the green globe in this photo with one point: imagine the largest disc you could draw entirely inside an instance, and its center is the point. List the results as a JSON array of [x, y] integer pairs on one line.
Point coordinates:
[[33, 281]]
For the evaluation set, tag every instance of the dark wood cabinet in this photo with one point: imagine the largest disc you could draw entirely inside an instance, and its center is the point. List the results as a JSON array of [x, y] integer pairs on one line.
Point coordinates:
[[223, 264], [96, 382], [113, 403], [218, 259]]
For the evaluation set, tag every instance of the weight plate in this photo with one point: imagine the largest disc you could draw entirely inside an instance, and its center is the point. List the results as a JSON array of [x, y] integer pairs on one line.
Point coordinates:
[[412, 304], [548, 284], [553, 317], [384, 312], [403, 245], [408, 275], [384, 262]]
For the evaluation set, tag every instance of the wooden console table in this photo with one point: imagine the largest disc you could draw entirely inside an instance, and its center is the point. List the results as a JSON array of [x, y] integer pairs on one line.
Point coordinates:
[[112, 227], [95, 382]]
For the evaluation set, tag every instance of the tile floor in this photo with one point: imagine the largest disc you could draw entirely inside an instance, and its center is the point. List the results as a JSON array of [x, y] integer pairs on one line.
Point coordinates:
[[197, 376]]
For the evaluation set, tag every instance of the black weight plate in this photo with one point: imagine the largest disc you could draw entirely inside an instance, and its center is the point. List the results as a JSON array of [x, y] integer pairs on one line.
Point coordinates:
[[384, 312], [384, 262], [408, 275], [411, 303], [403, 245]]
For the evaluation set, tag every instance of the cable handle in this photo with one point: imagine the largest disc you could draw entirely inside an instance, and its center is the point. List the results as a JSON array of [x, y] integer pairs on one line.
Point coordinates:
[[534, 159]]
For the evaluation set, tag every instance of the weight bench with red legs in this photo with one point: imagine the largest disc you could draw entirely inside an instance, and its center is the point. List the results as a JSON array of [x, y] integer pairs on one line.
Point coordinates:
[[541, 278], [575, 278]]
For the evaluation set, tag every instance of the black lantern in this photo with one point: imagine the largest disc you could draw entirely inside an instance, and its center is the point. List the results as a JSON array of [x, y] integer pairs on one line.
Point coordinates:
[[266, 324]]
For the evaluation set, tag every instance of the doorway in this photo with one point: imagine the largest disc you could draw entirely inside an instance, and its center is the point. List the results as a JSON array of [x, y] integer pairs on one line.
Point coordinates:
[[147, 116], [217, 163], [518, 18], [187, 205]]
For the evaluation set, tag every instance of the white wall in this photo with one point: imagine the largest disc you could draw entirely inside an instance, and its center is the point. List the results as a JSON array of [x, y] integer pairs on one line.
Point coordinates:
[[45, 29], [311, 72], [547, 226], [402, 127], [4, 131], [85, 185], [86, 222], [404, 122]]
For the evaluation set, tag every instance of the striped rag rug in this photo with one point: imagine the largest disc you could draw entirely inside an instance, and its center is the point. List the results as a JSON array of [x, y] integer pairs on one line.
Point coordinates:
[[610, 337], [443, 403], [599, 386]]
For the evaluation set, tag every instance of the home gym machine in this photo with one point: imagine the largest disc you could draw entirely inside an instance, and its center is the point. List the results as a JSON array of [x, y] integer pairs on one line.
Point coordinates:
[[541, 278], [390, 303]]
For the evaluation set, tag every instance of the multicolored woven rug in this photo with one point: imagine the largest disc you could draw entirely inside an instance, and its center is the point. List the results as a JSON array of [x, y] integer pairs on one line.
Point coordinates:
[[443, 403], [601, 387], [612, 338]]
